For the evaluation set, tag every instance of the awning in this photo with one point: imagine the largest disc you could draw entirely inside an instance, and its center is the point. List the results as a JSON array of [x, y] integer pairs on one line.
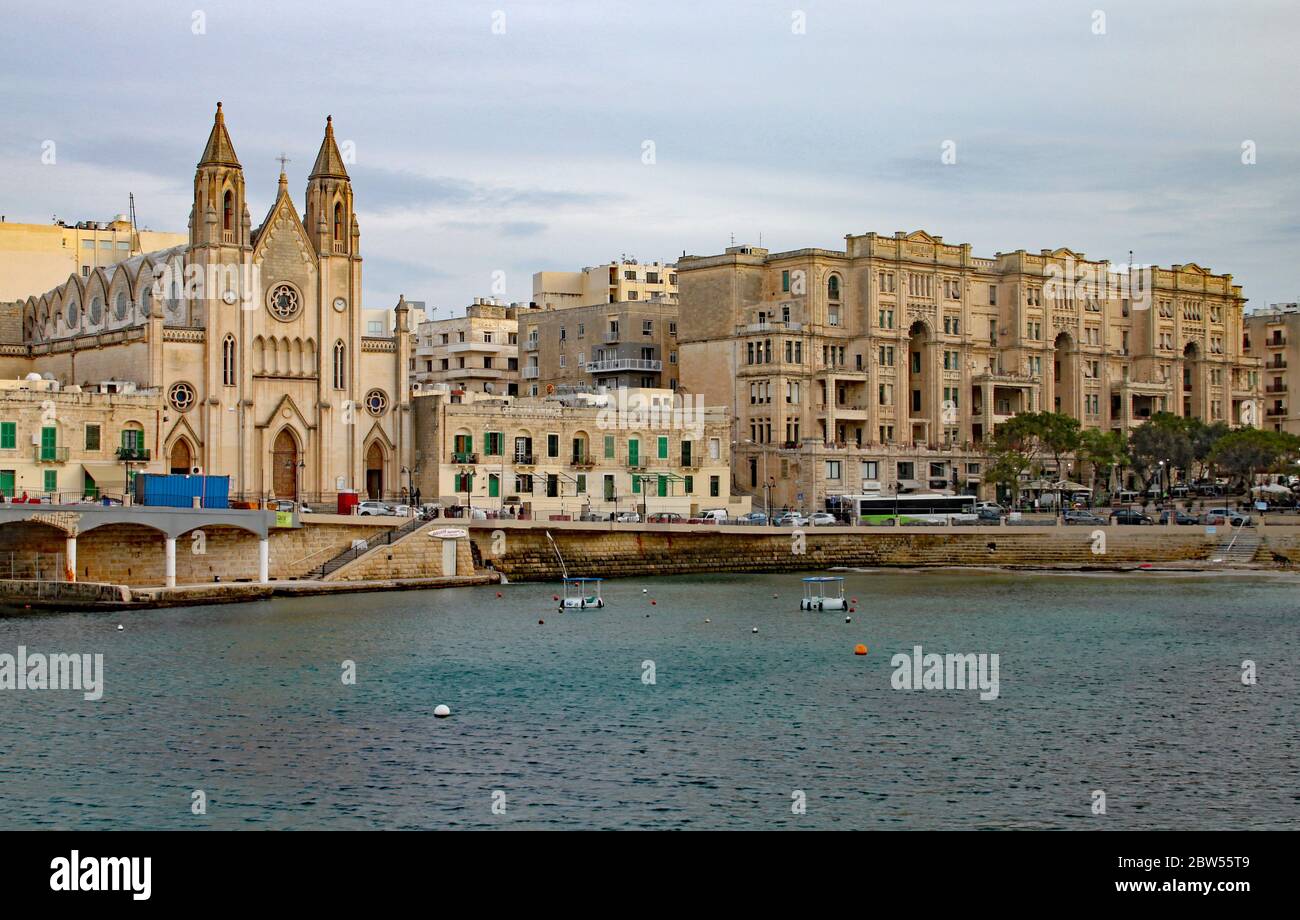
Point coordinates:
[[109, 477]]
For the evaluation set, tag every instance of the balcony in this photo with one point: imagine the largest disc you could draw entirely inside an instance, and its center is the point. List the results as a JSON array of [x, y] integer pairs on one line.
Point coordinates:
[[768, 326], [133, 455], [612, 336], [624, 364], [1276, 364], [530, 344], [1275, 411], [531, 373], [522, 459], [1275, 388], [464, 457], [1277, 342], [636, 463], [582, 461], [48, 454]]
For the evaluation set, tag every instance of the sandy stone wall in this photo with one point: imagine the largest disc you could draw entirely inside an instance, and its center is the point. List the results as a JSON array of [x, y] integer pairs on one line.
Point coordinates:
[[417, 555], [528, 554]]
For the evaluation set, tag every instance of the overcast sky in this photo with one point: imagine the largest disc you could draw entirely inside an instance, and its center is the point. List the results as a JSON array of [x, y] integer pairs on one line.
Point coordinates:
[[480, 150]]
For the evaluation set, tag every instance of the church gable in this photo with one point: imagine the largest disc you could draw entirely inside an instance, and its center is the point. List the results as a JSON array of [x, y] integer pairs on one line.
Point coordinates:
[[285, 410], [282, 234]]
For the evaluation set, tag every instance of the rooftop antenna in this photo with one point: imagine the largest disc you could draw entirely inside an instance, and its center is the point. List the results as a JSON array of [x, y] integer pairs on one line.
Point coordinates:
[[135, 233]]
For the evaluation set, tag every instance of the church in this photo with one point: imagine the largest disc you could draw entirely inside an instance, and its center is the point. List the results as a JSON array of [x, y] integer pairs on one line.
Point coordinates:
[[251, 339]]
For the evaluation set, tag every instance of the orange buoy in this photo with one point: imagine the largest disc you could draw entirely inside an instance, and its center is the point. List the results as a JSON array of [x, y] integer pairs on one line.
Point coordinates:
[[498, 594], [654, 603], [555, 597], [859, 649]]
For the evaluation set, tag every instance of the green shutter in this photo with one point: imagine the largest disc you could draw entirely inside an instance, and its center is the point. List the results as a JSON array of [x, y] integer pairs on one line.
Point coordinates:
[[663, 486], [690, 485], [8, 435], [636, 485], [7, 483], [663, 448], [49, 445], [51, 480], [633, 452], [582, 483], [494, 486], [609, 447]]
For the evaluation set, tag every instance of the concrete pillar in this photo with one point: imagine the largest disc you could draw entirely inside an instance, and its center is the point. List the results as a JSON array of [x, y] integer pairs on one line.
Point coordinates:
[[169, 561], [264, 560], [70, 560]]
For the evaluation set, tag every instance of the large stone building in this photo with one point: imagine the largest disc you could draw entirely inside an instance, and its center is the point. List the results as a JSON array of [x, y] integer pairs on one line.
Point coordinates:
[[581, 454], [36, 257], [1273, 336], [613, 282], [885, 365], [628, 344], [253, 336], [476, 352]]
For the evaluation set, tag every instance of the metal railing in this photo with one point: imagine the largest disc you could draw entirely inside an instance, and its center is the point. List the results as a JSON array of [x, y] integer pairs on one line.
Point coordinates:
[[36, 567]]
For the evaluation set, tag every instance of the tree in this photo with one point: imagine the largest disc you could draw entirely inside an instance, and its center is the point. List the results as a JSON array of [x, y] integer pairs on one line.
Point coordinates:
[[1019, 443], [1104, 452], [1246, 452], [1162, 440]]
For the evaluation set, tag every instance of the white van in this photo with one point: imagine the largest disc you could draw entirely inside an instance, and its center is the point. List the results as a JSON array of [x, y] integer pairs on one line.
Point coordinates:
[[716, 516]]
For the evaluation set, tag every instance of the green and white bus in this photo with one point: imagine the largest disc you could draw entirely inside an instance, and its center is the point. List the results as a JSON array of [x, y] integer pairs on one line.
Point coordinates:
[[907, 508]]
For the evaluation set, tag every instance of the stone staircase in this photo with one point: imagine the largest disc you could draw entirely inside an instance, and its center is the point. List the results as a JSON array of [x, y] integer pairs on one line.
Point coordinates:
[[1239, 546], [352, 553]]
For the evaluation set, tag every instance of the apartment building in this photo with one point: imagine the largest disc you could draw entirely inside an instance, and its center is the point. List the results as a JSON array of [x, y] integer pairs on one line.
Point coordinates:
[[1273, 336], [883, 367], [613, 282], [476, 352], [38, 257], [629, 344], [581, 454]]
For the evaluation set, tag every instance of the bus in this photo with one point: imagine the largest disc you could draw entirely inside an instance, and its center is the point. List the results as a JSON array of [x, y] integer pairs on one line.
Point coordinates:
[[907, 508]]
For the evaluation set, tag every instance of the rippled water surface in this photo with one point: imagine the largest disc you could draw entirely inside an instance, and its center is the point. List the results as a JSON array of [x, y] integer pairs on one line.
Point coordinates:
[[1129, 684]]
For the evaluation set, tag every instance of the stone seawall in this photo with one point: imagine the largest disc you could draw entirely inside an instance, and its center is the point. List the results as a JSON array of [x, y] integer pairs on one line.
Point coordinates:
[[523, 553]]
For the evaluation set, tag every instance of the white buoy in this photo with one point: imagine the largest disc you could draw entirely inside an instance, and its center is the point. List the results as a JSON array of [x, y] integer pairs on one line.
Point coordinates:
[[442, 711], [755, 629], [848, 619], [119, 626], [707, 620], [645, 590]]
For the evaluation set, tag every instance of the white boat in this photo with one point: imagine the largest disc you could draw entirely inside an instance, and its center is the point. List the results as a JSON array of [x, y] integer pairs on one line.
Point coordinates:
[[823, 592], [582, 593]]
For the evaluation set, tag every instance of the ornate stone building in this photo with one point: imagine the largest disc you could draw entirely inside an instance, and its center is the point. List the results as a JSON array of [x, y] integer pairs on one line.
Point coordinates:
[[252, 336], [885, 365]]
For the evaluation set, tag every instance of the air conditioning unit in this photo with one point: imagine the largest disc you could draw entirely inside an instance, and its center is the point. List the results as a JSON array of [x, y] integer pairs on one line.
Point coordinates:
[[196, 471]]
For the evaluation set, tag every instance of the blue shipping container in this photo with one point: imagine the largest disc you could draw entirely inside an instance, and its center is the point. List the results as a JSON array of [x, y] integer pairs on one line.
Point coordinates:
[[164, 490]]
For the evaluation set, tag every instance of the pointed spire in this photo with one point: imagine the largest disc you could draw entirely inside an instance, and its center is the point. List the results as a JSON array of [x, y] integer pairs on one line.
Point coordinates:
[[219, 151], [329, 162]]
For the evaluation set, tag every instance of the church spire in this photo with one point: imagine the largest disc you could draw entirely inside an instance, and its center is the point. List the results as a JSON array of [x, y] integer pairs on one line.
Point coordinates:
[[329, 162], [219, 150]]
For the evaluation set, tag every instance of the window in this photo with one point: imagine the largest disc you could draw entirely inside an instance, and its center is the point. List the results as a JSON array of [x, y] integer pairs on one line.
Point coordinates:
[[906, 470], [715, 486], [663, 448], [338, 221], [609, 447], [833, 469], [552, 445], [8, 435], [228, 212], [51, 480], [340, 365], [993, 295], [228, 361], [493, 443], [833, 288], [648, 327], [92, 437], [870, 470], [785, 282]]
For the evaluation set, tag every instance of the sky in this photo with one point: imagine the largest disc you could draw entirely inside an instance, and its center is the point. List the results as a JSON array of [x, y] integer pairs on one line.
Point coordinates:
[[495, 139]]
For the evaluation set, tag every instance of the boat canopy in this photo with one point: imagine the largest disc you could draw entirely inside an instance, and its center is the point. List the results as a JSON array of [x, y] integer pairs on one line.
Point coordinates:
[[822, 578], [580, 580]]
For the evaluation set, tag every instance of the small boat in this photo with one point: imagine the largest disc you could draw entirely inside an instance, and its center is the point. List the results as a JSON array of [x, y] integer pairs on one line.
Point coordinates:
[[823, 592], [581, 593]]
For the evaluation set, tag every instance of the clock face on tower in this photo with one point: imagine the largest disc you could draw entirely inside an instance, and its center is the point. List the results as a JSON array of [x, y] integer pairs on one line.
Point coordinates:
[[340, 304]]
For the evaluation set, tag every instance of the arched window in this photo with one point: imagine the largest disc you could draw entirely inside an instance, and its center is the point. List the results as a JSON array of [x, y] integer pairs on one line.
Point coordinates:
[[833, 288], [340, 365], [228, 212], [338, 221], [228, 360]]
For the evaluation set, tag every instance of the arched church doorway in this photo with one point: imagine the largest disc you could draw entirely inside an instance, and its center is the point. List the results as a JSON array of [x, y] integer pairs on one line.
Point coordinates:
[[182, 458], [375, 472], [284, 465]]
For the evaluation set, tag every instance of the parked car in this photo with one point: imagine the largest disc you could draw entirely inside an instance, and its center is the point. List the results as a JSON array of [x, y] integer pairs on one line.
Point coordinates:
[[664, 517], [791, 519], [993, 514], [399, 509], [714, 516], [754, 517], [627, 517], [1180, 517], [372, 508], [823, 519], [1226, 516], [1084, 517], [988, 506], [1130, 516]]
